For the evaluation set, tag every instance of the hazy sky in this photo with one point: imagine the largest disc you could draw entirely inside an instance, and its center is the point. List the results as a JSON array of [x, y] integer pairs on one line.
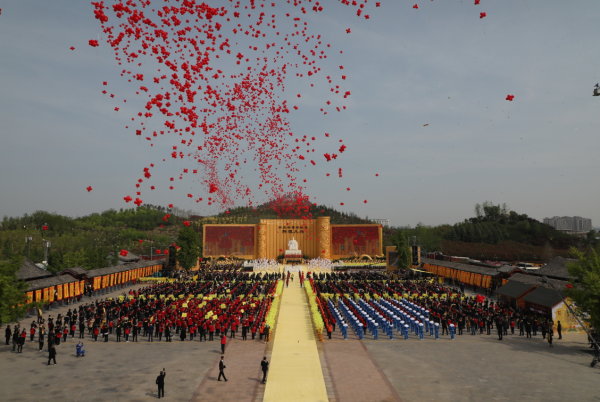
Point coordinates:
[[439, 65]]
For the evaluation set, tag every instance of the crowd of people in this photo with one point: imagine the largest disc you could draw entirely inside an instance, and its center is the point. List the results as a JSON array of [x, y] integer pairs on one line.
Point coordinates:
[[446, 306], [216, 304]]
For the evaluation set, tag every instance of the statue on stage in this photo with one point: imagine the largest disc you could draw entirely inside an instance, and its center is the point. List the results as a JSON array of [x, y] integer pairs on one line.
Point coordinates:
[[292, 245]]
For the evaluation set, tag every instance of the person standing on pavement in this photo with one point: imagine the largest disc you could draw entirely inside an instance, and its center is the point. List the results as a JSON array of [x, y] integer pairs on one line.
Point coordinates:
[[264, 365], [160, 381], [15, 339], [221, 368], [223, 343], [41, 335], [559, 330], [544, 326], [51, 354], [22, 339], [7, 334], [500, 329], [266, 333], [32, 331]]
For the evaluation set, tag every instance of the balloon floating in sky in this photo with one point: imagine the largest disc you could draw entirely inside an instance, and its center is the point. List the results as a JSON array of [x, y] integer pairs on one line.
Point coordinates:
[[89, 189], [510, 97], [221, 104]]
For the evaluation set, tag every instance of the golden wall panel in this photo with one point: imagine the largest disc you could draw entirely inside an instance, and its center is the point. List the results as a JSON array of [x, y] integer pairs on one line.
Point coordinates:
[[324, 236]]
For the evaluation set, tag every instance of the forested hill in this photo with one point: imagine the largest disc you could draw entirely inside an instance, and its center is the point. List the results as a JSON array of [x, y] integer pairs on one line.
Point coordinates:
[[88, 240], [266, 211], [495, 232]]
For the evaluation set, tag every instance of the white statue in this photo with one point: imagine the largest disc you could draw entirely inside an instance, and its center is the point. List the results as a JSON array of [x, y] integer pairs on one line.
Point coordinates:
[[292, 244]]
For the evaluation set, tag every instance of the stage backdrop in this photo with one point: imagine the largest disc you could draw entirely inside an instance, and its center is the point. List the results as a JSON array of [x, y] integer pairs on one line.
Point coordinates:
[[269, 239], [350, 240], [230, 240]]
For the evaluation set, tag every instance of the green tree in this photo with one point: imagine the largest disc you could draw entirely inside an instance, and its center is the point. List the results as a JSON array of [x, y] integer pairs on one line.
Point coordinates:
[[479, 234], [13, 297], [7, 248], [585, 290], [189, 248], [403, 250], [591, 237], [469, 233]]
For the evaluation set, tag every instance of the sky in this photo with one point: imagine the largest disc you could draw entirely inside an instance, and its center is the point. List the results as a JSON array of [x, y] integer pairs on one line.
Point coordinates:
[[427, 112]]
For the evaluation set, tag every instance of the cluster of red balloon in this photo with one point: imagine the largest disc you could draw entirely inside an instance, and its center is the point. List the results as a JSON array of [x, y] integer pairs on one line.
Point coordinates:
[[206, 84], [240, 112]]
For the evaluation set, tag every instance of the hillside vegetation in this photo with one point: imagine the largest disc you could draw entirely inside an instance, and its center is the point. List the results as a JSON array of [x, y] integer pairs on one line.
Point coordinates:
[[88, 241]]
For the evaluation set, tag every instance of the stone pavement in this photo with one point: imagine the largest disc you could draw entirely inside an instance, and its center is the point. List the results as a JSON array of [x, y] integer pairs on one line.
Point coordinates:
[[295, 373], [242, 362], [354, 374], [473, 368]]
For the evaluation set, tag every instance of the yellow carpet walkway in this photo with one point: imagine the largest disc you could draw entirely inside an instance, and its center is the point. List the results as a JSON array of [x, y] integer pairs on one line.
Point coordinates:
[[295, 371]]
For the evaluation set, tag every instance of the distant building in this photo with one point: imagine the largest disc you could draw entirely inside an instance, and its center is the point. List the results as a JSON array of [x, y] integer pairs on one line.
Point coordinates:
[[569, 223], [382, 222]]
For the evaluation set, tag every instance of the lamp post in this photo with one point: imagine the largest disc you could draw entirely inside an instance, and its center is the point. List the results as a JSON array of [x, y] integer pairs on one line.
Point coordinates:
[[596, 347], [47, 245]]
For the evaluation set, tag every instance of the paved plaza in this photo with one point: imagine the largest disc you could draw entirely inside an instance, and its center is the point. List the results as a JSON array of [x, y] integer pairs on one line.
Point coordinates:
[[470, 368]]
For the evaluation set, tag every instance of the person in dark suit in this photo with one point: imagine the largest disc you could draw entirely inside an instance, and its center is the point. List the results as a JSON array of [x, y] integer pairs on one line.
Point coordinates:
[[51, 354], [264, 365], [160, 381], [499, 327], [221, 368], [559, 330], [8, 334]]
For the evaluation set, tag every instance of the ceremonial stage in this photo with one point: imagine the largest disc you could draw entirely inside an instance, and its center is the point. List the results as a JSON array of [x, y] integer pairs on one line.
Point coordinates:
[[316, 238]]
